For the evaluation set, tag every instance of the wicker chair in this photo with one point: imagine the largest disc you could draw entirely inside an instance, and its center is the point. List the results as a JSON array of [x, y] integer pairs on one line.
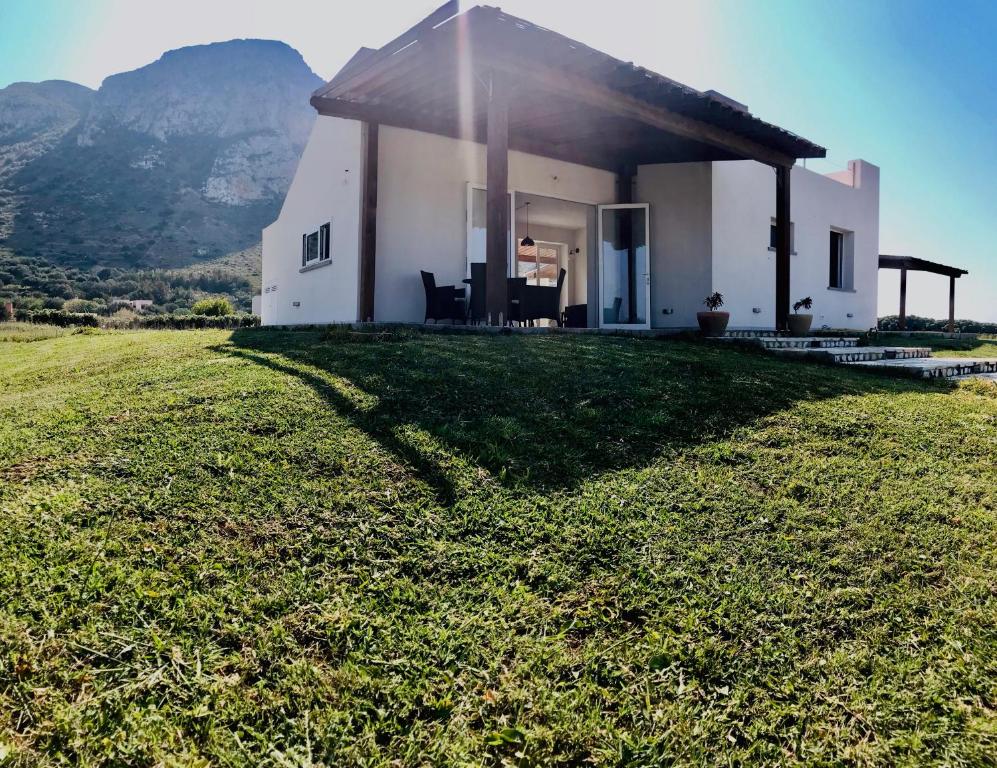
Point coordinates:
[[443, 302]]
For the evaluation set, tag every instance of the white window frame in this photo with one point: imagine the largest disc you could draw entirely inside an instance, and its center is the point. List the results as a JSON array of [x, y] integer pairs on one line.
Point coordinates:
[[323, 245]]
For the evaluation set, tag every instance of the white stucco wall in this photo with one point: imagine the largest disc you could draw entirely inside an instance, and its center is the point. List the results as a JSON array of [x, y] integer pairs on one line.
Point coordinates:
[[680, 197], [422, 203], [744, 266], [326, 187]]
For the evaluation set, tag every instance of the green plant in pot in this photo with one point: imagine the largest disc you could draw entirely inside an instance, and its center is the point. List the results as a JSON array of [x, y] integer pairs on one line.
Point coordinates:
[[713, 323], [799, 324]]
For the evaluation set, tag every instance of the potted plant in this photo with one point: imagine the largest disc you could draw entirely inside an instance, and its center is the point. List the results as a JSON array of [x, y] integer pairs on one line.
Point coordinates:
[[799, 325], [713, 323]]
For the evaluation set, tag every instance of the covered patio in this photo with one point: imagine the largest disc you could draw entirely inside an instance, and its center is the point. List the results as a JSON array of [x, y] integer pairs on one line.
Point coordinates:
[[497, 80], [911, 264]]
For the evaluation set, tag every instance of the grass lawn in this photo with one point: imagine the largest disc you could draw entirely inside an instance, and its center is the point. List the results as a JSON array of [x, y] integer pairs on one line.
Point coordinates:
[[279, 548], [27, 332], [942, 347]]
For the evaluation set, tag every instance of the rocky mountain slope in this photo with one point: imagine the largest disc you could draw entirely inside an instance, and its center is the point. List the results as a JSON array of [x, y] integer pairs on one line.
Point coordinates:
[[178, 162]]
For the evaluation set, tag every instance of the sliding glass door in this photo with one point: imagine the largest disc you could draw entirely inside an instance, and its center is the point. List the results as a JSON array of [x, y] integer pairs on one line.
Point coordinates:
[[624, 266]]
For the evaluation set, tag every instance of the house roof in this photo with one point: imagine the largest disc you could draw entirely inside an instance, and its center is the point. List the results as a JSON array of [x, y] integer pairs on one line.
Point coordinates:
[[888, 261], [569, 99]]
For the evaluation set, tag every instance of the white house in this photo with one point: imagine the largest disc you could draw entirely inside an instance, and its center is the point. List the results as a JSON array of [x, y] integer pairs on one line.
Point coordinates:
[[138, 305], [475, 131]]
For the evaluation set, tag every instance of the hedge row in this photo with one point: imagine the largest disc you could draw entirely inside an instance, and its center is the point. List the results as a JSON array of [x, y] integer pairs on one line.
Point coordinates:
[[182, 322], [57, 317], [915, 323], [65, 319]]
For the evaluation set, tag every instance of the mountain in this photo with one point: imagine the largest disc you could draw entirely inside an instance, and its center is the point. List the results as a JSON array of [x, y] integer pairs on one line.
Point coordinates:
[[173, 164]]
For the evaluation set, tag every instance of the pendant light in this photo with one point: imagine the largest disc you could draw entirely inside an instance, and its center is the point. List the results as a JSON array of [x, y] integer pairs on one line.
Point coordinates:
[[527, 242]]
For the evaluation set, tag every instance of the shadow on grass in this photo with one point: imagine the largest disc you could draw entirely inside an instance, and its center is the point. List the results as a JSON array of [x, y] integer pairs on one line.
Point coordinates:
[[544, 411]]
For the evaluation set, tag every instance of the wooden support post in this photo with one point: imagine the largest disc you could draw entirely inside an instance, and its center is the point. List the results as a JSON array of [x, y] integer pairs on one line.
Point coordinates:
[[368, 223], [782, 245], [497, 200], [952, 304], [903, 299], [625, 184]]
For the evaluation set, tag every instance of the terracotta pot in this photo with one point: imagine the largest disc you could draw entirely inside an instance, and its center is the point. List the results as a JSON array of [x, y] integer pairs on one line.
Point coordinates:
[[799, 325], [713, 324]]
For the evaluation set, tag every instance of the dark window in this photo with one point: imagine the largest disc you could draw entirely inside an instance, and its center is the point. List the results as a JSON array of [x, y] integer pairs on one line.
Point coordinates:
[[325, 235], [774, 238], [836, 276], [311, 248]]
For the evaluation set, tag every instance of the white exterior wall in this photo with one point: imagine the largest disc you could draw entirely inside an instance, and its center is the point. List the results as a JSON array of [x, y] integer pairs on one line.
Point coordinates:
[[680, 197], [326, 187], [422, 202], [744, 266]]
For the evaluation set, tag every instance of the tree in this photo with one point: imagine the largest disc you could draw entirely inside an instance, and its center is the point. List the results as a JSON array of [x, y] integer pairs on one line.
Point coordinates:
[[213, 307]]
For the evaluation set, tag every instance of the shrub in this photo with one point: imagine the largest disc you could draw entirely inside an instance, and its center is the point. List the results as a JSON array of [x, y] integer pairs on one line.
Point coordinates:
[[84, 305], [58, 317], [714, 301], [216, 307], [185, 322]]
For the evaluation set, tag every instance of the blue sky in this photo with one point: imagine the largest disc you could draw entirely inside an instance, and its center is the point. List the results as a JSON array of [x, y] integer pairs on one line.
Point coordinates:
[[909, 85]]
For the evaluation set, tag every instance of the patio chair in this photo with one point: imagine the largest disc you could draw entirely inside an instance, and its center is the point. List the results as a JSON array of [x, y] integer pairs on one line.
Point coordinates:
[[477, 309], [612, 316], [543, 302], [514, 300], [575, 316], [443, 302]]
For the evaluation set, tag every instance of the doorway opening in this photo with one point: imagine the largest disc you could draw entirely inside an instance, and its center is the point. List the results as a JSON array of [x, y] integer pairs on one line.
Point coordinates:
[[561, 231]]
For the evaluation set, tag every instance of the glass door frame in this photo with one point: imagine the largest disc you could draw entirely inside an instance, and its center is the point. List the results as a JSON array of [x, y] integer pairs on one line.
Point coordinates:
[[469, 227], [646, 325]]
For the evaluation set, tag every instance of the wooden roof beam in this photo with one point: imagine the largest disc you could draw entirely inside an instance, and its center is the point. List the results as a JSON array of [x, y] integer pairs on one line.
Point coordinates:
[[600, 97], [431, 122], [363, 62]]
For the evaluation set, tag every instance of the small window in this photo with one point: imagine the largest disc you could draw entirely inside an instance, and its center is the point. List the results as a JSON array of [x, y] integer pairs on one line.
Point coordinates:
[[309, 249], [774, 238], [836, 277], [315, 247]]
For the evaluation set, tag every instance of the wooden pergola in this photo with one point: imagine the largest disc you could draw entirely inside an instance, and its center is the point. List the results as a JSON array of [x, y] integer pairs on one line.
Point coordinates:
[[912, 264], [488, 77]]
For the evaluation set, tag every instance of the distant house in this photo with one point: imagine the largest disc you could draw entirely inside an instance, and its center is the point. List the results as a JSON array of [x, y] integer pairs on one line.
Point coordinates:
[[138, 305], [480, 138]]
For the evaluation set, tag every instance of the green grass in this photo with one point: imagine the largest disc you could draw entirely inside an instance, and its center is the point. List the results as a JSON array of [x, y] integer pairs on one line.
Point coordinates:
[[984, 346], [290, 549], [15, 331]]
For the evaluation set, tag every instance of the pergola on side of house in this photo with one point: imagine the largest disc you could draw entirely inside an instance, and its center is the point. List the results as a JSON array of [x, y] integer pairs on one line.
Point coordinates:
[[488, 77], [910, 263]]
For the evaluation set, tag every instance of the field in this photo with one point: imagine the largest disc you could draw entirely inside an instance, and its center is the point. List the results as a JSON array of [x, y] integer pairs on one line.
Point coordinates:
[[302, 549]]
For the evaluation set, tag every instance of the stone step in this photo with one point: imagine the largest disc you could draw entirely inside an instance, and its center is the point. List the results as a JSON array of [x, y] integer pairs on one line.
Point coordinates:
[[749, 334], [856, 354], [807, 342], [937, 367]]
